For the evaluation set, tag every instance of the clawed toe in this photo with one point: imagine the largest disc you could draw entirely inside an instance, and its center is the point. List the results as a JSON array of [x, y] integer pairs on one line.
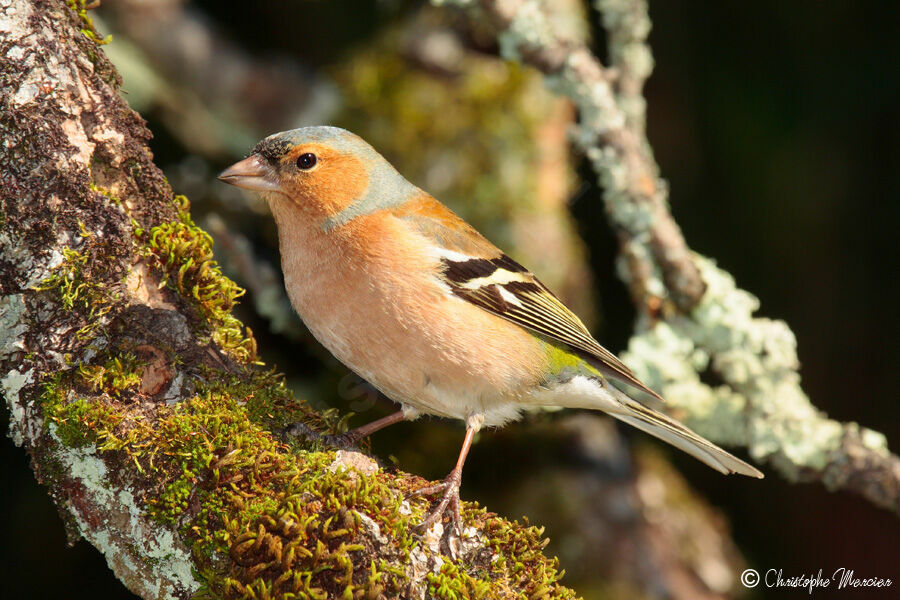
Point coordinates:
[[449, 503], [450, 486]]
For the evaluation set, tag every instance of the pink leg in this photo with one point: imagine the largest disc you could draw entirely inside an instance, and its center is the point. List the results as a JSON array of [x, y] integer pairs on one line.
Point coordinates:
[[349, 439], [369, 428], [450, 487]]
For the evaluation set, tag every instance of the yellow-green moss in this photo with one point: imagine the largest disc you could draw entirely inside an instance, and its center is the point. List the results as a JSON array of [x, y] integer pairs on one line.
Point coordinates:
[[79, 421], [81, 284], [267, 520], [264, 517], [81, 9], [520, 559], [116, 375], [66, 278], [112, 198], [183, 252], [452, 584]]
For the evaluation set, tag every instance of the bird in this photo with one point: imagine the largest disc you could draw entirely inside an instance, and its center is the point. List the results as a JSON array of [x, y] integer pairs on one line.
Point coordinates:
[[417, 302]]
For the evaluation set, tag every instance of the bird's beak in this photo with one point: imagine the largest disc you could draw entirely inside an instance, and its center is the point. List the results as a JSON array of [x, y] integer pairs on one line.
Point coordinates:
[[252, 173]]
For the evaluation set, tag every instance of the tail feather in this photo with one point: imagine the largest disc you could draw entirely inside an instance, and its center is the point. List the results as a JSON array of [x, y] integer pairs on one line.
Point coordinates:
[[669, 430]]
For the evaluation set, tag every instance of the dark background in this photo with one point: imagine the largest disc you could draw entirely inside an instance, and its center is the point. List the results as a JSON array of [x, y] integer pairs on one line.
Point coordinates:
[[777, 126]]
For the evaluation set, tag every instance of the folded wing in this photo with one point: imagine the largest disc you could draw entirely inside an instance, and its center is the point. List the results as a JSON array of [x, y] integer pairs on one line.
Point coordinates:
[[507, 289]]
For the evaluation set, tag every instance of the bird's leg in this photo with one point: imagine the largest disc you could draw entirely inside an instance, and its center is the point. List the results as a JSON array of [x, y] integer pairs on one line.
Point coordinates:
[[450, 486], [349, 439]]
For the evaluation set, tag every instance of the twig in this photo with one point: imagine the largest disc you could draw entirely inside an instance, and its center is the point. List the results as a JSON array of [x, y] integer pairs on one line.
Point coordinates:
[[658, 260], [214, 97]]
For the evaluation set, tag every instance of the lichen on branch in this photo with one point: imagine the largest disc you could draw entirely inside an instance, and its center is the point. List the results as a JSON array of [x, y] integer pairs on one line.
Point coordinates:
[[692, 316]]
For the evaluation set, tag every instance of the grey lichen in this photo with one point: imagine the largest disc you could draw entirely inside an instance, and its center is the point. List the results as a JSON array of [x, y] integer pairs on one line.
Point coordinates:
[[693, 319], [760, 403], [530, 25], [627, 24], [137, 550], [11, 385], [12, 330]]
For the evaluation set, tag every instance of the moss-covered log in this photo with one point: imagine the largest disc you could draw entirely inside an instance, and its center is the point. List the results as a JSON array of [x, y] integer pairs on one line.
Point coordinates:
[[139, 396]]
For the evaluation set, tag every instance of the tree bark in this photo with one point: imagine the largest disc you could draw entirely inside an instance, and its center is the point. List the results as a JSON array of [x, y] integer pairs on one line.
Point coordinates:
[[139, 396]]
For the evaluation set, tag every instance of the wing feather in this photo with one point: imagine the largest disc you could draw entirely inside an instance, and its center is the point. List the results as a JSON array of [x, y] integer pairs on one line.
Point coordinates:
[[528, 303]]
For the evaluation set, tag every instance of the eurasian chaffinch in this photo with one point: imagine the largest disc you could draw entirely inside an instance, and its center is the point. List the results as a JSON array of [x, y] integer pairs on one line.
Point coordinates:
[[417, 302]]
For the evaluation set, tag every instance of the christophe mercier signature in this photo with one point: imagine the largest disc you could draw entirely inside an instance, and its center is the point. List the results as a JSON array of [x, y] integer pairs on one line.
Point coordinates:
[[842, 578]]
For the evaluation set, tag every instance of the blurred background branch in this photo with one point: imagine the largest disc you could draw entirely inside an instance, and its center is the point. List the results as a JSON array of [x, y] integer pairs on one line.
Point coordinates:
[[691, 315], [217, 99]]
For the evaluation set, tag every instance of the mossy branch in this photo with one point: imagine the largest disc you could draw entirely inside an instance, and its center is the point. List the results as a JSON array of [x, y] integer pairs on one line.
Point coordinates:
[[139, 396], [692, 316]]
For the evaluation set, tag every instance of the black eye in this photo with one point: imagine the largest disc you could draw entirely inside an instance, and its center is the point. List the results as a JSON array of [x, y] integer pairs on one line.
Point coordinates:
[[306, 161]]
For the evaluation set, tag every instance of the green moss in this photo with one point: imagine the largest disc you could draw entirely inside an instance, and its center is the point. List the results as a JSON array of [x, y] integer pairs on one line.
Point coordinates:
[[79, 421], [452, 584], [81, 9], [114, 199], [268, 520], [81, 284], [183, 253], [314, 544], [115, 376], [66, 279], [264, 517]]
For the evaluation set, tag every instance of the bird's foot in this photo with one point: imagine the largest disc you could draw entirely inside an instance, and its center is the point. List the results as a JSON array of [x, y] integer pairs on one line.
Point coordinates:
[[449, 503], [343, 441]]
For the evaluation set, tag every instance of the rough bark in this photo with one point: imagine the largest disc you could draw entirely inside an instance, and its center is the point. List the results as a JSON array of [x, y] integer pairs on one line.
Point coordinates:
[[139, 397]]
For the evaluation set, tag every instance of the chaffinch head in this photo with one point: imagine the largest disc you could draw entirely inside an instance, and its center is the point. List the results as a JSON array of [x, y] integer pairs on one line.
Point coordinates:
[[417, 302]]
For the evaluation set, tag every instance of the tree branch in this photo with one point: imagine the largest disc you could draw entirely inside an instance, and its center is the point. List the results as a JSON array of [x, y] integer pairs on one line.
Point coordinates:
[[139, 396], [210, 95], [692, 317], [657, 258]]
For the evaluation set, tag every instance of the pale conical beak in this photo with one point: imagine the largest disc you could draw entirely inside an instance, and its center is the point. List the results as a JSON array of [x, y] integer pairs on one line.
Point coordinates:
[[252, 173]]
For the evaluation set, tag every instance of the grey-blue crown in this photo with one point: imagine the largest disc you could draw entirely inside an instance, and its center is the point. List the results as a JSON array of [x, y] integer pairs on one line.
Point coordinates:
[[274, 146]]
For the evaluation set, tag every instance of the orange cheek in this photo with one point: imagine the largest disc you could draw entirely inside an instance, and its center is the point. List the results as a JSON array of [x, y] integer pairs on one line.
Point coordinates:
[[334, 185]]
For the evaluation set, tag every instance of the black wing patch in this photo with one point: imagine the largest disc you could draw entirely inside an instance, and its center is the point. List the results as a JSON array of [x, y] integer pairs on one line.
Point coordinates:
[[464, 271], [507, 289]]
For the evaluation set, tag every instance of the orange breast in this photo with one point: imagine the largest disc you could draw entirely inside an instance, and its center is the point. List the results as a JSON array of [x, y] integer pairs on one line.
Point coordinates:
[[368, 293]]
